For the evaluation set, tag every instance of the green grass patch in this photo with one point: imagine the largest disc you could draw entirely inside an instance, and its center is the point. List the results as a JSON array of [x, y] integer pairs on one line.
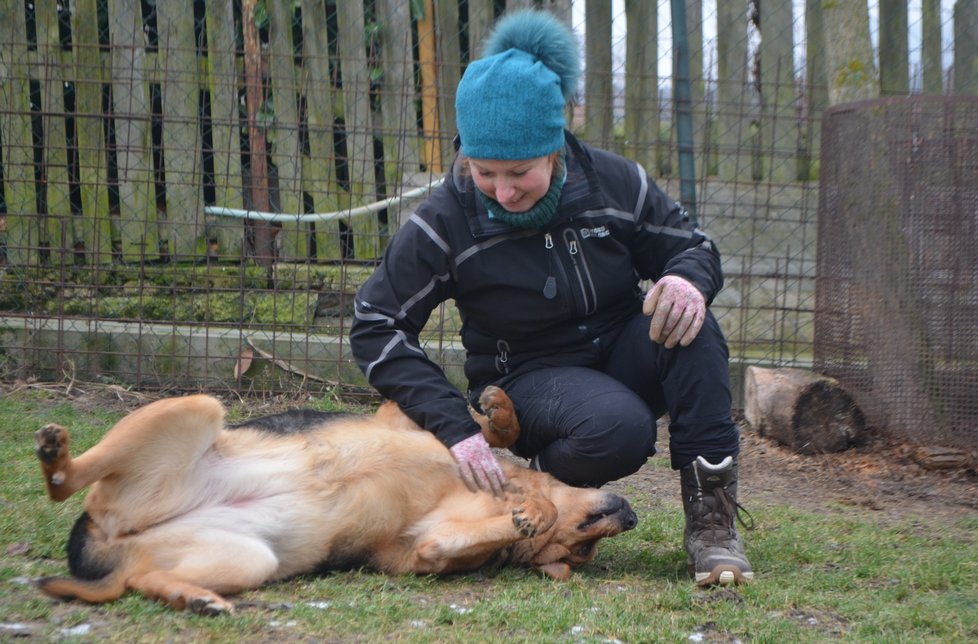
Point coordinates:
[[833, 576]]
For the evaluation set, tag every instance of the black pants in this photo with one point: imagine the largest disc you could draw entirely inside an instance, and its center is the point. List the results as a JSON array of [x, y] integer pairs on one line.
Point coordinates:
[[588, 425]]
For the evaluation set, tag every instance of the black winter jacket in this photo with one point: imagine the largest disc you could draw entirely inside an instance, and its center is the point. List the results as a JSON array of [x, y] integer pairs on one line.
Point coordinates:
[[526, 297]]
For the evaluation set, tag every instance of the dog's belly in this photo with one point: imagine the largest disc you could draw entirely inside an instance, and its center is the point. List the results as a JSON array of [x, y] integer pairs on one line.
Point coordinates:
[[316, 503]]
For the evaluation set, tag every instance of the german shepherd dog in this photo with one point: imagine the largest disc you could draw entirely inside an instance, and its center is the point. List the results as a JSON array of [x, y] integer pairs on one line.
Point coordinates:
[[184, 509]]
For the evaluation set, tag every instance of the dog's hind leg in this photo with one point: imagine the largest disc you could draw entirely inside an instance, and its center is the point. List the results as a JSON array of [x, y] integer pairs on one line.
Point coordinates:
[[164, 437], [164, 586], [498, 421], [51, 447], [205, 565]]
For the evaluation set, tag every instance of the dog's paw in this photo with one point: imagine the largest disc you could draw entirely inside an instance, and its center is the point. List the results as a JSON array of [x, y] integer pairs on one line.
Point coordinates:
[[498, 408], [51, 445], [209, 606], [534, 517]]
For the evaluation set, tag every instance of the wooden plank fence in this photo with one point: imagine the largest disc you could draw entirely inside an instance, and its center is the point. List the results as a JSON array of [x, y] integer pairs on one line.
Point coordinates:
[[124, 132]]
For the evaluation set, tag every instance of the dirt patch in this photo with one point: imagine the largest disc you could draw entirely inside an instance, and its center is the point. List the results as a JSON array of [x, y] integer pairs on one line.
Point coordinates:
[[881, 476]]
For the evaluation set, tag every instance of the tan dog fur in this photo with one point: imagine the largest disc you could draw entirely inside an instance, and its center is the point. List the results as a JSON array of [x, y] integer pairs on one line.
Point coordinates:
[[184, 510]]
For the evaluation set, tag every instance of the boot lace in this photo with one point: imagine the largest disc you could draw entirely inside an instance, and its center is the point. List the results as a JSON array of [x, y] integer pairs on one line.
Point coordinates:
[[720, 521]]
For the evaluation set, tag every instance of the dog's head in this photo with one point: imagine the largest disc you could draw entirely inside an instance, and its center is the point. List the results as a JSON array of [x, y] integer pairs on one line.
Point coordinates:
[[584, 517]]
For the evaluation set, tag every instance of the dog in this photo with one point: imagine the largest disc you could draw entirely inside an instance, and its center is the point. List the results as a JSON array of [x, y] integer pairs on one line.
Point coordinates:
[[186, 509]]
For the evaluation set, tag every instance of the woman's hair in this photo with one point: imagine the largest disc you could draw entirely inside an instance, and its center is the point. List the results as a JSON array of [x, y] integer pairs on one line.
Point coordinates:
[[559, 162]]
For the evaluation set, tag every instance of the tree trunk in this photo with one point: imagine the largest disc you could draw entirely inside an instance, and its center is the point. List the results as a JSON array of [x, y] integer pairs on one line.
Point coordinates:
[[641, 85], [930, 59], [849, 52], [598, 116], [965, 48], [780, 140], [733, 98], [894, 54], [803, 410], [816, 81]]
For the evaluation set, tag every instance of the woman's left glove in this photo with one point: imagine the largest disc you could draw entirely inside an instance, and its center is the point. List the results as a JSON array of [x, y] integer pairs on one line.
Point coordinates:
[[678, 310], [478, 466]]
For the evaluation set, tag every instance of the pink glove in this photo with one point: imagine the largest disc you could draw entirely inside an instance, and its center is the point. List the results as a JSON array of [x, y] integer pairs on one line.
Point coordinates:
[[678, 310], [478, 466]]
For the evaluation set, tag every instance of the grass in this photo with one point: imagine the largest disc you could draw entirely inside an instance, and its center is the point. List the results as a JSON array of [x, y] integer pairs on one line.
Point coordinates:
[[831, 576]]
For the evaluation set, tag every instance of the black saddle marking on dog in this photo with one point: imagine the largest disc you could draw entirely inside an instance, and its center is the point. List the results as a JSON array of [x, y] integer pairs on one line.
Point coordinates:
[[294, 421], [344, 562]]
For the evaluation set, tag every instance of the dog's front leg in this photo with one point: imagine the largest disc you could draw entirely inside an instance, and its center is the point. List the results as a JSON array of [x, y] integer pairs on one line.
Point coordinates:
[[466, 544]]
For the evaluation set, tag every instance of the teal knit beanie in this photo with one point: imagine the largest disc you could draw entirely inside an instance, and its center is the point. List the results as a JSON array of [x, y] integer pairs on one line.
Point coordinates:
[[510, 104]]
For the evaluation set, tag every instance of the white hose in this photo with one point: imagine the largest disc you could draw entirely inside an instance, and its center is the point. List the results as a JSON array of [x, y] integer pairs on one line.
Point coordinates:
[[323, 216]]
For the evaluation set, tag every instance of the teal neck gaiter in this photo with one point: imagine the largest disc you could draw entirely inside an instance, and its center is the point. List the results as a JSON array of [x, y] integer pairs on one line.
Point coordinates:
[[536, 217]]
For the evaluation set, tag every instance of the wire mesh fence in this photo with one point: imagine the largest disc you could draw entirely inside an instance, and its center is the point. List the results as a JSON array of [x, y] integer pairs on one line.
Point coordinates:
[[898, 264], [193, 191]]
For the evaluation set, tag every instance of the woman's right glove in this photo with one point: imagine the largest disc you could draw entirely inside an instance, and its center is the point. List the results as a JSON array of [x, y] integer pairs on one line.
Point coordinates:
[[478, 466], [677, 309]]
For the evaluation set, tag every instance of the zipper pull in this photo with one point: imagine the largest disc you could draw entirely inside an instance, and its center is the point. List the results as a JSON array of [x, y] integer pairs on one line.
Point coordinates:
[[550, 286]]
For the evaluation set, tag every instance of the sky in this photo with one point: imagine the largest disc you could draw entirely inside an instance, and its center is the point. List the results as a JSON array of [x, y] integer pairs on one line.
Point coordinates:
[[709, 31]]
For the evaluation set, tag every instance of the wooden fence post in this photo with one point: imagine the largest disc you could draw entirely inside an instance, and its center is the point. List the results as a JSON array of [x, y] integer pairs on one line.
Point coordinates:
[[257, 184], [225, 126], [319, 167], [359, 125], [427, 61], [18, 164], [182, 222], [58, 227], [98, 233], [130, 105]]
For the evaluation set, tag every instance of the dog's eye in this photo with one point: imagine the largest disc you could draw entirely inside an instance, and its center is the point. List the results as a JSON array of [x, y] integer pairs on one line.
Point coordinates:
[[585, 549]]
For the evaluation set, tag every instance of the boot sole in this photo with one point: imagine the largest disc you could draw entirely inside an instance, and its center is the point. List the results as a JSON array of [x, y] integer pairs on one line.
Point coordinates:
[[723, 576]]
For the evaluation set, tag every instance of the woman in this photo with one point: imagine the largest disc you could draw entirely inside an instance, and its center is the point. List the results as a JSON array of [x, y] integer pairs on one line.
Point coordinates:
[[542, 242]]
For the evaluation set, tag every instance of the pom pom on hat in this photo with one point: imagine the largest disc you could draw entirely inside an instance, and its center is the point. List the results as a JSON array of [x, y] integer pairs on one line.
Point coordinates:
[[510, 103], [545, 38]]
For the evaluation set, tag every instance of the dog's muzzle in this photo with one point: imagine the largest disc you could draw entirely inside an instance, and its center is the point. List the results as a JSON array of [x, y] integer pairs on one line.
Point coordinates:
[[615, 508]]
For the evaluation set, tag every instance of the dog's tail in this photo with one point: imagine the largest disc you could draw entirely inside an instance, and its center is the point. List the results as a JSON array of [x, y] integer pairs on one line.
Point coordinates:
[[99, 573], [93, 592]]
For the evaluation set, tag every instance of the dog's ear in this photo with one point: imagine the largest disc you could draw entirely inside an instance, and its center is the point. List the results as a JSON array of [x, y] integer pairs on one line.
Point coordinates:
[[558, 571], [550, 553], [391, 415]]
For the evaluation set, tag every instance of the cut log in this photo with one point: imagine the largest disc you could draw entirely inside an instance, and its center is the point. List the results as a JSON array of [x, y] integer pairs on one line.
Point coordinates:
[[935, 457], [806, 411]]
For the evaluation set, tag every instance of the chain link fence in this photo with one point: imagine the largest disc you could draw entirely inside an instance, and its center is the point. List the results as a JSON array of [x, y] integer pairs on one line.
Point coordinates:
[[192, 192]]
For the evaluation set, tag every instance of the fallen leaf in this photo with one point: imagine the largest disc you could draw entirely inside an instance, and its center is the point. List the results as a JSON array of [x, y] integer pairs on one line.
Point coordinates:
[[244, 362], [20, 548]]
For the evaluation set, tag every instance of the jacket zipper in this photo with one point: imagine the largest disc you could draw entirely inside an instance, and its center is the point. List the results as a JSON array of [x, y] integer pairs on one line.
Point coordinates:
[[550, 285], [579, 263]]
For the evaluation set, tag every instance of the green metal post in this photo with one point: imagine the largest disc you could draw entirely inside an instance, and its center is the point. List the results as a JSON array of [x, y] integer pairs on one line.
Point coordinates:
[[682, 95]]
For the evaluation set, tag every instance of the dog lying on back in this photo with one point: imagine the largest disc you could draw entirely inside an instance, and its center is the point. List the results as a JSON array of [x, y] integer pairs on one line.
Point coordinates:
[[185, 509]]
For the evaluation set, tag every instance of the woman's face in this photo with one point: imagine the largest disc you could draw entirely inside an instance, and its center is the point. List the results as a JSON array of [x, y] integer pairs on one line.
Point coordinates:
[[516, 185]]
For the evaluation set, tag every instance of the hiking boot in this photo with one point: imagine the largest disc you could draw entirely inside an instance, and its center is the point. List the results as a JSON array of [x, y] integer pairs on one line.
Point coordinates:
[[715, 550]]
